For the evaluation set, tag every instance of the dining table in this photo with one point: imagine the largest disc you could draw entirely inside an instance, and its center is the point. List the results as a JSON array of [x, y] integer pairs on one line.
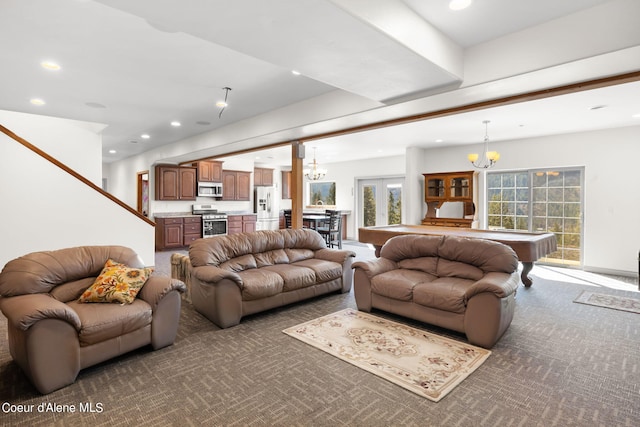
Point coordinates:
[[314, 220]]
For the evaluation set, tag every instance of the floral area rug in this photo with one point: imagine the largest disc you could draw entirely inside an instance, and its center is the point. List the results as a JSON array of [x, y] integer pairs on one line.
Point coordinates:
[[609, 301], [426, 364]]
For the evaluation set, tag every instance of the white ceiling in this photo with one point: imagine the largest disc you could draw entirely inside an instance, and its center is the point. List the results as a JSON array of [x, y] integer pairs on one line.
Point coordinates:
[[137, 65]]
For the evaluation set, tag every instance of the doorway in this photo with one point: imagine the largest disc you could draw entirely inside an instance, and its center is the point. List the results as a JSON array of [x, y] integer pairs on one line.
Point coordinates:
[[143, 192], [380, 201]]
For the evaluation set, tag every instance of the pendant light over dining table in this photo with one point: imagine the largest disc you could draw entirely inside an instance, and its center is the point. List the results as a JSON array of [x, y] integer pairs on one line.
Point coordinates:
[[488, 158], [314, 173]]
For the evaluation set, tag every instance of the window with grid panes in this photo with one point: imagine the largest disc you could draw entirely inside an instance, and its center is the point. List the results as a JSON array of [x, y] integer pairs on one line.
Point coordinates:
[[540, 201]]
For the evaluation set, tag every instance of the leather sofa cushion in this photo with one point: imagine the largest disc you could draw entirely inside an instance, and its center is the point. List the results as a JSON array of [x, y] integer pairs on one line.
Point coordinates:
[[447, 268], [399, 284], [444, 293], [325, 270], [112, 320], [72, 290], [220, 249], [294, 276], [260, 283], [425, 264], [277, 256], [240, 263], [40, 272], [296, 255]]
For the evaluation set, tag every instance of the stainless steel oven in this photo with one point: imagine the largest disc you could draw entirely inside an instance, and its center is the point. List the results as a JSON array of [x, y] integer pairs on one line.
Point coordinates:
[[214, 223]]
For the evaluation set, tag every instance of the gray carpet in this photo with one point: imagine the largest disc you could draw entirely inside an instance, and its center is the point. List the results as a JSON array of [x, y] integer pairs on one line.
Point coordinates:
[[560, 363]]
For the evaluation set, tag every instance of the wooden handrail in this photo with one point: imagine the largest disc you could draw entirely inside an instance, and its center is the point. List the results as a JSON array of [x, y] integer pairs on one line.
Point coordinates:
[[73, 173]]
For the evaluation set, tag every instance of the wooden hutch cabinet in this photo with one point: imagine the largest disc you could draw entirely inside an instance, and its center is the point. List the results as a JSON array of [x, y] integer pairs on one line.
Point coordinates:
[[441, 189]]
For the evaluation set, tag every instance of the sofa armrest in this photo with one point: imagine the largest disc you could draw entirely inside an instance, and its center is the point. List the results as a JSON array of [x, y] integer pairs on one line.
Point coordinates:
[[335, 255], [157, 287], [376, 266], [501, 284], [23, 311], [210, 275]]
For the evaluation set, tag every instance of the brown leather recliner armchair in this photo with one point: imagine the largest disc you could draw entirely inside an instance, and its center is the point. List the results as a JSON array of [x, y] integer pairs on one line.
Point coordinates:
[[52, 336]]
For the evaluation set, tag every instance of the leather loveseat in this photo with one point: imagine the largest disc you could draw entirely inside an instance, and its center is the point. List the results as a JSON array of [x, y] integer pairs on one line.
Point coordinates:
[[236, 275], [52, 335], [466, 285]]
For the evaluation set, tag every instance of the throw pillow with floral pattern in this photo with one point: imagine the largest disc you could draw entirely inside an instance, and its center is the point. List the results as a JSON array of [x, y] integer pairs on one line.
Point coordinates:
[[117, 283]]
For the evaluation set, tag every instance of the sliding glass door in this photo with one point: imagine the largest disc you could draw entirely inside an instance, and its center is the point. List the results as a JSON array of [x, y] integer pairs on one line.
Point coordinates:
[[379, 201]]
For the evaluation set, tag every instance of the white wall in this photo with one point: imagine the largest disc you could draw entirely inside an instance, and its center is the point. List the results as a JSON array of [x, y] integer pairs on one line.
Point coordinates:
[[73, 143], [45, 208]]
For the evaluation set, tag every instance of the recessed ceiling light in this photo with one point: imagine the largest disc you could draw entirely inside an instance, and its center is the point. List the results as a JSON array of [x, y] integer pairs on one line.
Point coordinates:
[[439, 140], [598, 107], [145, 136], [295, 72], [95, 105], [112, 151], [133, 141], [176, 124], [459, 4], [636, 116], [49, 65], [37, 101], [203, 123], [221, 104]]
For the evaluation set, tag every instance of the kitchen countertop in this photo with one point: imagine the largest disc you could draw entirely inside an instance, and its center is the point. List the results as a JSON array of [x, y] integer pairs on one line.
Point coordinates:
[[174, 214]]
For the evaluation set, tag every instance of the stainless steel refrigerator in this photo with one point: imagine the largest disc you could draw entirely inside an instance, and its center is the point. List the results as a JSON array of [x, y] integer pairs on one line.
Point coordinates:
[[266, 207]]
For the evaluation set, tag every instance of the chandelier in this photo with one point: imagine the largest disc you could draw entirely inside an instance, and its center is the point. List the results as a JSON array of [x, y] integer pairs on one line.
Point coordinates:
[[314, 173], [488, 158]]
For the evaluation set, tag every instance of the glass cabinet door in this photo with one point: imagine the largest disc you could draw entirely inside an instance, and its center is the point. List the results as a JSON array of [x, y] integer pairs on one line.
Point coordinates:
[[459, 187], [435, 187]]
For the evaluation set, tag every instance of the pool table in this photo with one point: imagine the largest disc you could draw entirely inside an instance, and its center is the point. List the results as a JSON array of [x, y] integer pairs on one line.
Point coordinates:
[[528, 246]]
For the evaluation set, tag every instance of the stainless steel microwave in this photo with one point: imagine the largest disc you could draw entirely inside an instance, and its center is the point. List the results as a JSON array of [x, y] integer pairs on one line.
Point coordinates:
[[209, 189]]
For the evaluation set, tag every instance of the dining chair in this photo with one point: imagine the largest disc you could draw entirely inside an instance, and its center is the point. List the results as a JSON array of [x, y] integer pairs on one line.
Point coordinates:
[[287, 218], [332, 229]]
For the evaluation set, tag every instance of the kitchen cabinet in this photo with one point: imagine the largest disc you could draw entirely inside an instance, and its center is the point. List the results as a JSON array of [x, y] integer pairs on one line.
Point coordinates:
[[286, 185], [241, 223], [177, 232], [175, 182], [209, 171], [192, 230], [262, 177], [236, 185], [445, 188]]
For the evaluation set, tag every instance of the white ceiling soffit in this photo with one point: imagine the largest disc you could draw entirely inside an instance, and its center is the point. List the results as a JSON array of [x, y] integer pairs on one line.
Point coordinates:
[[379, 49]]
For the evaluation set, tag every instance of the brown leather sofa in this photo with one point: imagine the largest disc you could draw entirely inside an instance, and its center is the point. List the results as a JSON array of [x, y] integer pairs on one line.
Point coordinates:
[[52, 336], [236, 275], [466, 285]]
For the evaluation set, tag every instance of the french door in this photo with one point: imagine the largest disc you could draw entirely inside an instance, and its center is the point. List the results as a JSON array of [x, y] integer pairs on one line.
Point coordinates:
[[380, 201]]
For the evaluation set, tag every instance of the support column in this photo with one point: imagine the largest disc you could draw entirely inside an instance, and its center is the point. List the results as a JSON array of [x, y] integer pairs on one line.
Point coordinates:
[[297, 166]]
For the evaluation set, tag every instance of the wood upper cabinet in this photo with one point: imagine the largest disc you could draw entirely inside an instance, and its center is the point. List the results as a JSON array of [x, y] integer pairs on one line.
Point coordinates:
[[236, 185], [286, 185], [175, 182], [262, 177], [209, 171], [453, 190]]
